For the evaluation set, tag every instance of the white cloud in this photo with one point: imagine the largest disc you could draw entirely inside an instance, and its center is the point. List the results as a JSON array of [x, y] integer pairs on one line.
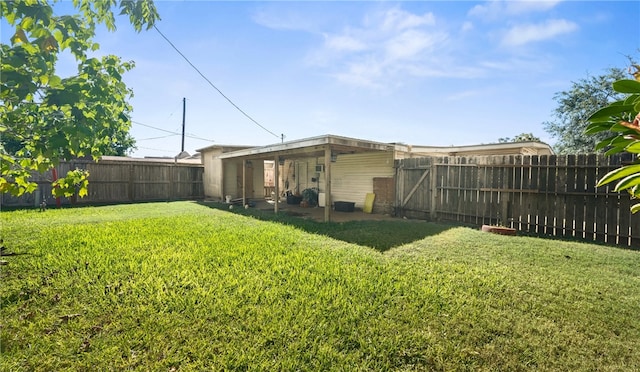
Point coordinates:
[[393, 47], [496, 9], [537, 63], [362, 73], [466, 94], [527, 33], [397, 20], [467, 26], [444, 70], [527, 6], [344, 43], [410, 44], [386, 45], [290, 20]]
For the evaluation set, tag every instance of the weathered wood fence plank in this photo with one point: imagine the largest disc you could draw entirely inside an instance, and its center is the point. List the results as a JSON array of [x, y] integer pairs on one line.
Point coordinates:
[[545, 195], [121, 181]]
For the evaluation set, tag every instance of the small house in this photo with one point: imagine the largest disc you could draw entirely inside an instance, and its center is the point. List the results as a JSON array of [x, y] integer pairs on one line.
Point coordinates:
[[338, 168]]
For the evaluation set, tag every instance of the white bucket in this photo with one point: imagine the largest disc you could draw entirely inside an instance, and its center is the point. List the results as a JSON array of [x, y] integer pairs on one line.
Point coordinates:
[[228, 199]]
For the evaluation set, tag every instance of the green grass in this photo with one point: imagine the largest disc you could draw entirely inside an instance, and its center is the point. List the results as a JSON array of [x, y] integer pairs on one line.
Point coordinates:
[[381, 235], [180, 286]]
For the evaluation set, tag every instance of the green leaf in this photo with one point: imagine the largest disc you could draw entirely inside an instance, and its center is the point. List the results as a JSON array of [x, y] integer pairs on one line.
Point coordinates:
[[82, 192], [619, 143], [31, 187], [26, 23], [19, 36], [598, 127], [58, 118], [627, 86], [631, 99], [603, 144], [10, 17], [55, 81], [614, 150], [628, 182], [621, 129], [604, 114], [635, 208], [619, 173], [634, 147]]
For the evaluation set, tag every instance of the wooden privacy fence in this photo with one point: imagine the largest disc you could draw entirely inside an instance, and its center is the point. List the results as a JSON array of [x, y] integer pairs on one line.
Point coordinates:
[[121, 181], [543, 195]]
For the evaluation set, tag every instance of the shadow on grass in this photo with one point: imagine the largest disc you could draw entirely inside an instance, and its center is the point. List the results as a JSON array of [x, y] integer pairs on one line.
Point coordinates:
[[380, 235]]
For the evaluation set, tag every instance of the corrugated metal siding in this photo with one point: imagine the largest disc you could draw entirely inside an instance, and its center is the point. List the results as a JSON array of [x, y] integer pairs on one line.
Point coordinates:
[[230, 179], [352, 175], [212, 176]]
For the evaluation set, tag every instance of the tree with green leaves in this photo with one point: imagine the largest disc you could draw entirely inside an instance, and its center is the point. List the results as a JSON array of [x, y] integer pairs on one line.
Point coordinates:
[[522, 137], [622, 120], [46, 118], [575, 105]]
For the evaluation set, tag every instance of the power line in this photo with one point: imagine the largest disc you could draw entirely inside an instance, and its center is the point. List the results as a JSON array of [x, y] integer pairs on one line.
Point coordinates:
[[152, 127], [168, 131], [212, 85], [155, 138], [149, 148]]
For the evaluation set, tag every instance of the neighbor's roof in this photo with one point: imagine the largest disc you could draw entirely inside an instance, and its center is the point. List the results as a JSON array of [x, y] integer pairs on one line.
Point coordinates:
[[153, 159], [506, 148]]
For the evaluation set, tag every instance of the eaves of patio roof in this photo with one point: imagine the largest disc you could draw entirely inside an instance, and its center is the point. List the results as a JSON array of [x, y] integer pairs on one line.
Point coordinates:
[[314, 146]]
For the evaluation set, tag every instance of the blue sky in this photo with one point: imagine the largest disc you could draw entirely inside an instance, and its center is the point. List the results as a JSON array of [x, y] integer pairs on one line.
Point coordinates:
[[420, 72]]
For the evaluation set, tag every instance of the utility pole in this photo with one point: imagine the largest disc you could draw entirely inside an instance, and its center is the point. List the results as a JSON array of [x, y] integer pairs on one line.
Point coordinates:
[[184, 110]]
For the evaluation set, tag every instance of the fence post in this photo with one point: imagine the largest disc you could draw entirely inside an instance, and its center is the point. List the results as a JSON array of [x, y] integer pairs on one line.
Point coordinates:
[[171, 181], [505, 218], [131, 183], [434, 189], [402, 173]]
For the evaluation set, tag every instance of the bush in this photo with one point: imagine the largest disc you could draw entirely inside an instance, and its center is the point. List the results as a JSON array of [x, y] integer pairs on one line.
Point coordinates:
[[623, 118]]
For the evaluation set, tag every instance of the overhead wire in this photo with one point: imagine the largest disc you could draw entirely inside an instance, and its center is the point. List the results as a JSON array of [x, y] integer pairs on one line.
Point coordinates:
[[149, 148], [152, 127], [213, 85], [172, 133], [155, 138]]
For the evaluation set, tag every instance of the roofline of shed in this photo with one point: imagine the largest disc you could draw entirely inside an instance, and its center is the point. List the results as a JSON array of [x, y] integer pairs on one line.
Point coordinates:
[[224, 147]]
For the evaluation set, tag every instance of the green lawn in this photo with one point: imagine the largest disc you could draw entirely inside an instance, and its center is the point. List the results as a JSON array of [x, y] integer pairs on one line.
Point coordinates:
[[181, 286]]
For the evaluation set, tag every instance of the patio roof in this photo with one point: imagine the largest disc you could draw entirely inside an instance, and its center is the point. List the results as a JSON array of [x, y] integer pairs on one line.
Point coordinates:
[[322, 146], [314, 146]]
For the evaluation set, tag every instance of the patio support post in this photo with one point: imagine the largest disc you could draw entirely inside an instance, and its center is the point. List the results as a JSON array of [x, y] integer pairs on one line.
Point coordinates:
[[276, 177], [327, 184]]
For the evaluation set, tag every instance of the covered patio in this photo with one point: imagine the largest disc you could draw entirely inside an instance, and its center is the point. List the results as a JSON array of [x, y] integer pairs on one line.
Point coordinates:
[[328, 148], [317, 213]]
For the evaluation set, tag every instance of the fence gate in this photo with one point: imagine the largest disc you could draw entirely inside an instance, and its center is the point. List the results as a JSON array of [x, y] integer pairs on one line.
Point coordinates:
[[414, 185], [542, 195]]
